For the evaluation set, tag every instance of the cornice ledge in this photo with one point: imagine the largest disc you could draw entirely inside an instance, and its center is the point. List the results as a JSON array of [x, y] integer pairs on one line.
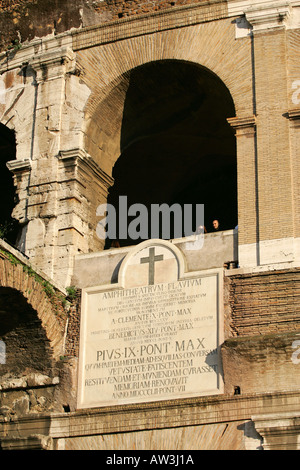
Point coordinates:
[[54, 57], [294, 114], [52, 64], [243, 126], [149, 23], [278, 430], [32, 442], [17, 166], [79, 155], [268, 16], [242, 123]]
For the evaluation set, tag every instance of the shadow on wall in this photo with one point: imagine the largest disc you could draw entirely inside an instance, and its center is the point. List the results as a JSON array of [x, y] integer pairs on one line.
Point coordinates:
[[27, 346], [9, 227]]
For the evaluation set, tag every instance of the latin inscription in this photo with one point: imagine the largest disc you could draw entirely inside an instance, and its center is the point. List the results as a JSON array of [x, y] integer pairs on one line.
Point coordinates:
[[151, 343]]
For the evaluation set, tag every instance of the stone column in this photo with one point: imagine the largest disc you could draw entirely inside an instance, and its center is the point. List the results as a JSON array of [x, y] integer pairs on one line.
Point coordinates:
[[83, 187], [59, 186], [294, 119], [248, 221], [271, 236], [274, 173]]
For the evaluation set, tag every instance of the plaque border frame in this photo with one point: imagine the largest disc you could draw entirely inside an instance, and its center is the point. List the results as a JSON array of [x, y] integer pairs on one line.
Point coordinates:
[[218, 272]]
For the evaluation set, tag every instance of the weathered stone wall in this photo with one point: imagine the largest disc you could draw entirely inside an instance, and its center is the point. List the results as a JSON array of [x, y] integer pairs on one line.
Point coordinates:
[[67, 113], [23, 20], [261, 330], [264, 303], [114, 9], [260, 364], [37, 368], [63, 95], [220, 436], [73, 329], [39, 296]]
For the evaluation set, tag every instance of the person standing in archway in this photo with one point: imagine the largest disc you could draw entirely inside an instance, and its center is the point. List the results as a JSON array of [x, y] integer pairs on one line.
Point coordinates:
[[216, 225]]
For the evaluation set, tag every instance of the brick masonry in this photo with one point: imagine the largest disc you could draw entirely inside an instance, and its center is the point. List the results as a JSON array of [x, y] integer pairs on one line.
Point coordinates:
[[23, 20], [38, 367], [260, 364], [40, 295], [114, 9], [264, 303], [261, 325]]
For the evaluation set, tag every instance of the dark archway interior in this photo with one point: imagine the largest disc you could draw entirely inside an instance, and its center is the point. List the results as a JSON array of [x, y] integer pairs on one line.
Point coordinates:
[[8, 226], [27, 346], [176, 144]]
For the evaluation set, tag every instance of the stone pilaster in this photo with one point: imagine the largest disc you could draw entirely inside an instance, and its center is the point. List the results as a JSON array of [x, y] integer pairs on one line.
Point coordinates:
[[273, 177], [245, 131], [59, 186]]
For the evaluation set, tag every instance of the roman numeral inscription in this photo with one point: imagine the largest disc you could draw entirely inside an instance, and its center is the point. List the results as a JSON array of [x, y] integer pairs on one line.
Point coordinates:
[[153, 342]]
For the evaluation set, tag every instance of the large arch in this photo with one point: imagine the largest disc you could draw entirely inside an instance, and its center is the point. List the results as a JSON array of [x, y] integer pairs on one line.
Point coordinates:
[[27, 313], [164, 136], [104, 130], [106, 70]]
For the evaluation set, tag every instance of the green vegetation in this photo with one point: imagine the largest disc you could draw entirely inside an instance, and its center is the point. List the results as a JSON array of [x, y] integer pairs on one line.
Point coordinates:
[[15, 45], [54, 296], [71, 292]]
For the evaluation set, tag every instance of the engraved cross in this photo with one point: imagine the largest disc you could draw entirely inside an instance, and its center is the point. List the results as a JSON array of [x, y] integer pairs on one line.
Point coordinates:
[[151, 259]]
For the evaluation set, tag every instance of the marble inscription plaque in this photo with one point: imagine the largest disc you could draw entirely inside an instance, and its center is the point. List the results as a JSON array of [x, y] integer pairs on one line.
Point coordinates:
[[150, 343]]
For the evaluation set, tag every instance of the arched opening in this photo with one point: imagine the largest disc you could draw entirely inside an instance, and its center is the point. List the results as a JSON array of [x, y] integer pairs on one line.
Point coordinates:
[[176, 144], [9, 227], [27, 346]]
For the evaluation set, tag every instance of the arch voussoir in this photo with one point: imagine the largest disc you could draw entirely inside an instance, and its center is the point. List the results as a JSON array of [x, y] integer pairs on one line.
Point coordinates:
[[50, 311]]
